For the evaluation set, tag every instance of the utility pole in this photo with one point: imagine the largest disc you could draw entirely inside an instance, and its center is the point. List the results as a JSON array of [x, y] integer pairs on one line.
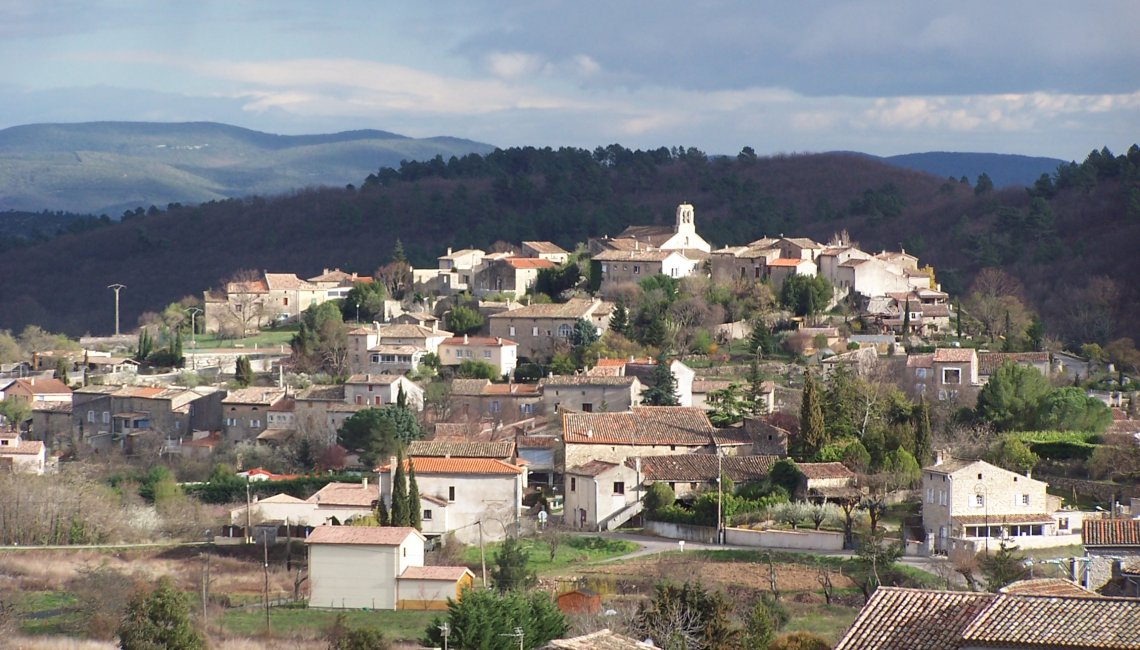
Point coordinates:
[[265, 544], [445, 630], [194, 311], [248, 515], [117, 288], [719, 495], [482, 554]]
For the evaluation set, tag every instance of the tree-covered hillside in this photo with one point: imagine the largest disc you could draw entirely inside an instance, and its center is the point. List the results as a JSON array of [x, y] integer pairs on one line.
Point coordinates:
[[1080, 224]]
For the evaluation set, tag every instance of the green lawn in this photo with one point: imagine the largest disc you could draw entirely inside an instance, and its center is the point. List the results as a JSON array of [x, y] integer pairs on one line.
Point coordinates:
[[828, 621], [403, 625], [269, 338], [572, 550], [47, 601]]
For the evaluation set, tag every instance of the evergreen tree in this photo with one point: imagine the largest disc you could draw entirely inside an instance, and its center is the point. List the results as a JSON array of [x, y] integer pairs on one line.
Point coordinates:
[[176, 350], [958, 319], [511, 572], [663, 392], [760, 341], [1003, 567], [159, 620], [382, 516], [398, 255], [401, 515], [415, 513], [906, 319], [243, 372], [61, 371], [756, 388], [813, 436], [145, 345], [484, 620], [619, 321], [402, 398], [923, 439]]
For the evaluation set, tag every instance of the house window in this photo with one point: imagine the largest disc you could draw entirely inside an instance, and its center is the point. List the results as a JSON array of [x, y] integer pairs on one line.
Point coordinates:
[[951, 375], [587, 407], [942, 497], [920, 373], [534, 331], [231, 422], [496, 406], [1063, 523], [930, 495], [486, 354], [526, 409], [90, 416], [254, 423], [376, 358], [512, 330], [1025, 499], [451, 493], [636, 269], [369, 388], [619, 487], [979, 500], [564, 330], [573, 484], [427, 515], [359, 399], [106, 417]]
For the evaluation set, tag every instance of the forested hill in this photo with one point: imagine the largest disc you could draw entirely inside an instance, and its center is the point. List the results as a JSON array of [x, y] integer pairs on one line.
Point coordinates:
[[109, 167], [1082, 224]]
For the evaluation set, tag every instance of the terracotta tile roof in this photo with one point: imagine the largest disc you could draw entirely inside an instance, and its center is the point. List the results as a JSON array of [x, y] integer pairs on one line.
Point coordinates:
[[449, 573], [545, 248], [1111, 532], [765, 242], [802, 242], [702, 467], [820, 471], [252, 286], [461, 449], [460, 253], [383, 380], [53, 407], [731, 436], [287, 281], [592, 468], [254, 395], [953, 355], [920, 360], [477, 340], [787, 261], [280, 498], [709, 385], [397, 349], [935, 311], [586, 380], [989, 362], [346, 494], [321, 392], [276, 435], [23, 448], [43, 386], [537, 442], [369, 535], [1056, 622], [661, 233], [575, 308], [644, 425], [913, 619], [425, 465], [1026, 518], [409, 331], [654, 255], [284, 405], [1124, 425], [468, 387], [336, 275], [1048, 587], [529, 263]]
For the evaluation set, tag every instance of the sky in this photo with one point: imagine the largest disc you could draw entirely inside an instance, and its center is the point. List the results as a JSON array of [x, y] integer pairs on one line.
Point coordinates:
[[1041, 78]]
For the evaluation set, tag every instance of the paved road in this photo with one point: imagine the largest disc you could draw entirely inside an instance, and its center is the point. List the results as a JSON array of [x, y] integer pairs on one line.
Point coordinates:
[[76, 547], [652, 545]]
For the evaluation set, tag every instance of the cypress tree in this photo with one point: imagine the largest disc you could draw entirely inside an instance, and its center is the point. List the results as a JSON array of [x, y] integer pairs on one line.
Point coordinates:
[[619, 322], [61, 371], [813, 436], [416, 514], [243, 372], [400, 513], [923, 442], [176, 349], [664, 389], [382, 517], [906, 319], [402, 398]]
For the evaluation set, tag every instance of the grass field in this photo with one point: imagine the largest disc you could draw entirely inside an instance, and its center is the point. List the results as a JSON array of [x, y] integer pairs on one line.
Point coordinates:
[[828, 621], [272, 338], [571, 551], [405, 625]]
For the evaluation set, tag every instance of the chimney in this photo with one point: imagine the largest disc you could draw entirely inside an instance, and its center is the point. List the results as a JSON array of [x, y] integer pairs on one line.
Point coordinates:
[[465, 339], [449, 250], [364, 482], [325, 271], [498, 340], [939, 456], [392, 473]]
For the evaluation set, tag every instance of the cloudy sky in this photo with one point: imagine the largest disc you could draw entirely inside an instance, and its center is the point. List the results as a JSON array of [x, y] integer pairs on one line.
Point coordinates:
[[1039, 78]]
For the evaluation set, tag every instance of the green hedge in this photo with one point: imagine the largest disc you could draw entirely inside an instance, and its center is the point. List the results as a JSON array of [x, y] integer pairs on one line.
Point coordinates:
[[232, 491], [1059, 445]]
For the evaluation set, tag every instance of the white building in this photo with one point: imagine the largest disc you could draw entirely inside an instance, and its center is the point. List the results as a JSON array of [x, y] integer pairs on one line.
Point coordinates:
[[501, 353], [380, 390], [19, 455]]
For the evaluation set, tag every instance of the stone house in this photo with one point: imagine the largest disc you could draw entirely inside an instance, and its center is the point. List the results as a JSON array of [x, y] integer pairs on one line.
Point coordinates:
[[782, 268], [630, 267], [323, 409], [545, 250], [800, 248], [36, 391], [967, 503], [690, 474], [642, 431], [588, 394], [870, 277], [472, 490], [50, 422], [989, 362], [102, 414], [539, 329], [19, 455], [1112, 549], [501, 353], [248, 305], [740, 263], [245, 412], [380, 390], [475, 399], [392, 349], [514, 275]]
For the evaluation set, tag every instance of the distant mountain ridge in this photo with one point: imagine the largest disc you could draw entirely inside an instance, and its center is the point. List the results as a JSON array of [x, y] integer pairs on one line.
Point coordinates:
[[1004, 170], [109, 167]]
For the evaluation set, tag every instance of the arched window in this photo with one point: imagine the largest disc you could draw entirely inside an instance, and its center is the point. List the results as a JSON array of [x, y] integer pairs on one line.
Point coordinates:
[[564, 330]]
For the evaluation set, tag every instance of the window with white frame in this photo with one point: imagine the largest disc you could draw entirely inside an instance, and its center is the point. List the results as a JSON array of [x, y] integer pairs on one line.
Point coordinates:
[[951, 375], [564, 330], [534, 331], [1025, 499], [979, 500], [512, 330], [930, 495], [427, 515], [254, 423], [231, 422]]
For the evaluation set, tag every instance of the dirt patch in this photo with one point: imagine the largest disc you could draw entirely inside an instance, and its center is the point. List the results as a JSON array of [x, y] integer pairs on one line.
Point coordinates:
[[749, 575]]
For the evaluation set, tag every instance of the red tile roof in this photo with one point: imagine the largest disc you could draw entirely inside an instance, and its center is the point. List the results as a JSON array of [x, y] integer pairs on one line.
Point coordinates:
[[545, 248], [820, 471], [920, 361], [448, 573], [529, 263], [519, 390], [702, 467], [786, 261], [44, 386], [368, 535], [989, 362], [574, 308], [644, 425], [953, 355], [592, 468], [1111, 532], [22, 448], [287, 281], [913, 619], [436, 465], [1056, 622]]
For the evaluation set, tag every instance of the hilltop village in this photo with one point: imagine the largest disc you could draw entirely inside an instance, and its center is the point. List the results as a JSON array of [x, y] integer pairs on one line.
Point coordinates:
[[782, 394]]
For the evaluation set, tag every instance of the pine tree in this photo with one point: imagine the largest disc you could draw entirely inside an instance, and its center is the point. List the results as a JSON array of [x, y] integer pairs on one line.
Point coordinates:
[[923, 442], [813, 435], [511, 571], [663, 392], [619, 321], [760, 341], [398, 255], [401, 516], [414, 511], [756, 388]]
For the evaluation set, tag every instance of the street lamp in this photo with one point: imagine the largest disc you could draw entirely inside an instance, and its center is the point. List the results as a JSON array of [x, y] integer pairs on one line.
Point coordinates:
[[719, 496], [193, 311], [117, 288]]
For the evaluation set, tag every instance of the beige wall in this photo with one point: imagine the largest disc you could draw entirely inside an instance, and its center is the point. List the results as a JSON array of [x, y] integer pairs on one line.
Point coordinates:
[[601, 398], [354, 576], [495, 500], [579, 454], [503, 357], [595, 497]]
